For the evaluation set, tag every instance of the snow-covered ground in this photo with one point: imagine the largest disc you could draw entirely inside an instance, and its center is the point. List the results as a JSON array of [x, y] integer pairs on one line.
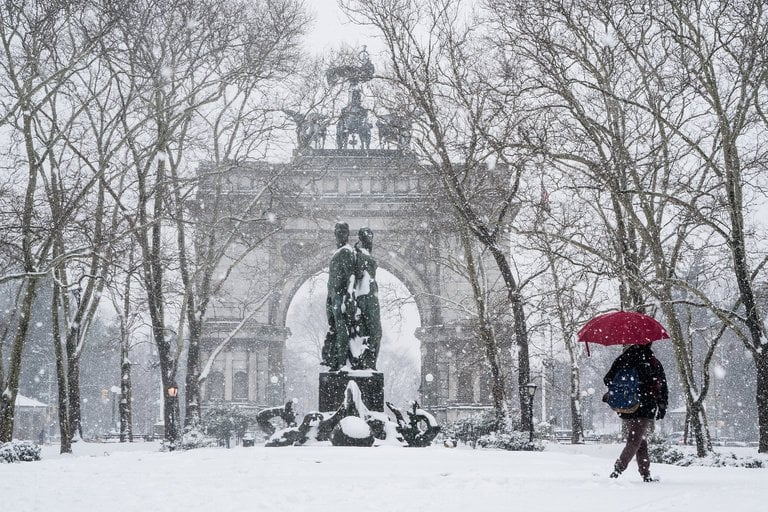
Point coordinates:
[[112, 477]]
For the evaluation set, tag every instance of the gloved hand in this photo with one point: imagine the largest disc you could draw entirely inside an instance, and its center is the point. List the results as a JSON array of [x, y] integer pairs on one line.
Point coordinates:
[[661, 412]]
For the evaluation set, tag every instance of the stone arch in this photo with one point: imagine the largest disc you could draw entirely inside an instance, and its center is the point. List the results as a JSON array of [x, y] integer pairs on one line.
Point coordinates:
[[385, 190]]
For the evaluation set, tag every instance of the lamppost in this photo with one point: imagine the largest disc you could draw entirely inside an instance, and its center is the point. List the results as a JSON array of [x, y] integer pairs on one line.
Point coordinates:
[[115, 390], [531, 388], [173, 392]]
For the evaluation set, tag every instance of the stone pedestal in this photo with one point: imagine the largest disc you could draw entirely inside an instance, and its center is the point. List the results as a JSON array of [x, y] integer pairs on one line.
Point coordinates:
[[333, 385]]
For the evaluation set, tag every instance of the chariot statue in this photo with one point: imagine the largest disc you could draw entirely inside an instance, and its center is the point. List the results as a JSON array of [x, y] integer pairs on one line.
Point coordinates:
[[353, 127]]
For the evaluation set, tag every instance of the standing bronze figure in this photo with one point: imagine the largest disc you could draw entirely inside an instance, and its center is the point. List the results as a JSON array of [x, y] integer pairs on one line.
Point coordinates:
[[340, 304], [368, 316], [352, 304]]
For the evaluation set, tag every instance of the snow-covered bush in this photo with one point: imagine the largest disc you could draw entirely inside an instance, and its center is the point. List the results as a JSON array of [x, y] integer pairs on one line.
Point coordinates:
[[470, 429], [484, 430], [19, 451], [224, 420], [664, 453], [513, 441], [194, 437]]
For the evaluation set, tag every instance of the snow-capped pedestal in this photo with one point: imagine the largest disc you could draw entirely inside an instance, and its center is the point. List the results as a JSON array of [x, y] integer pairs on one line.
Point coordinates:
[[334, 384]]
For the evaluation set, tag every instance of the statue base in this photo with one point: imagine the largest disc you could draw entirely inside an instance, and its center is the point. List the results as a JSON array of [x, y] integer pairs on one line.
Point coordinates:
[[333, 385]]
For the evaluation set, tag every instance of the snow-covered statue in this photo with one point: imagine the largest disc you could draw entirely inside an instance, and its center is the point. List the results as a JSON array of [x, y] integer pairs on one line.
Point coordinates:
[[340, 303], [353, 424], [285, 413], [352, 304], [367, 339]]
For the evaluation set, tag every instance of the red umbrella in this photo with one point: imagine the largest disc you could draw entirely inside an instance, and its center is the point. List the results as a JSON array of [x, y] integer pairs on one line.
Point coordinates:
[[622, 328]]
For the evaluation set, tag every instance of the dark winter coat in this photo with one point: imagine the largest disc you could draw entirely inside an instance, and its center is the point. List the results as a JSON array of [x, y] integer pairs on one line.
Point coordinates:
[[653, 383]]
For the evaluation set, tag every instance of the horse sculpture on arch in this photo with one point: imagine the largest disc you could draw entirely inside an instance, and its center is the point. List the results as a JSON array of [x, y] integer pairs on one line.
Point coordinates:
[[394, 129], [311, 128]]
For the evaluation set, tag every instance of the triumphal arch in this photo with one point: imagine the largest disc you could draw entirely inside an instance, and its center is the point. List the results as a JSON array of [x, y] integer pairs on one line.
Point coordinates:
[[385, 188]]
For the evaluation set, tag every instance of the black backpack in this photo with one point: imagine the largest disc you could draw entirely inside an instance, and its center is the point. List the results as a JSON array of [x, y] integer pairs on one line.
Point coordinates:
[[624, 391]]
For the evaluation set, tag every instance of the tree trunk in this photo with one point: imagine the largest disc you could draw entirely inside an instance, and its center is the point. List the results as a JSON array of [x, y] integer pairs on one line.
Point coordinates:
[[694, 407], [752, 320], [192, 389], [521, 336], [73, 389], [761, 396], [487, 336], [65, 432], [125, 411], [11, 386], [577, 416]]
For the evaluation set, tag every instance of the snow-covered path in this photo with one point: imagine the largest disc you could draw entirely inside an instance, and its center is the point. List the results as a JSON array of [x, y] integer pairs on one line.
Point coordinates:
[[115, 478]]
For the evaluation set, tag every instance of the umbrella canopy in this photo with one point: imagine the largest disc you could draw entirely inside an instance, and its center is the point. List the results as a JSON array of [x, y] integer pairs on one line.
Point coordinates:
[[622, 328]]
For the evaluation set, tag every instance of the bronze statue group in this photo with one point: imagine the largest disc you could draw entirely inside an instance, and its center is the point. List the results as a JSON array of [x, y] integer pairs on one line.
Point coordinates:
[[352, 304]]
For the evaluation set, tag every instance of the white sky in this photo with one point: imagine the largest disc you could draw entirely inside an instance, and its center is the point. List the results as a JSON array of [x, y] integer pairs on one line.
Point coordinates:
[[332, 29]]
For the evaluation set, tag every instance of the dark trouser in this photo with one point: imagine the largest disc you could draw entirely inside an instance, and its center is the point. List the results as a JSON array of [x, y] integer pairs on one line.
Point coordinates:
[[637, 446]]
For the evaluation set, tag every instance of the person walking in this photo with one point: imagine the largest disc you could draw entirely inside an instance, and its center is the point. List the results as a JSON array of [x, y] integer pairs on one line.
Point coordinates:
[[653, 395]]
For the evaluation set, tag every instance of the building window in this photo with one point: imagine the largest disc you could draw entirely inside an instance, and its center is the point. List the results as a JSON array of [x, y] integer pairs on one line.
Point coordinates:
[[354, 185], [240, 386], [330, 185], [485, 387], [402, 185], [216, 386], [378, 185], [464, 391]]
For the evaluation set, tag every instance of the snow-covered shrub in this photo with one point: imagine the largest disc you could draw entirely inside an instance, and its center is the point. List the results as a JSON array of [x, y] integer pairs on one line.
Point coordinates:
[[665, 454], [513, 441], [719, 459], [8, 453], [19, 451], [470, 429], [224, 420], [194, 437], [656, 438]]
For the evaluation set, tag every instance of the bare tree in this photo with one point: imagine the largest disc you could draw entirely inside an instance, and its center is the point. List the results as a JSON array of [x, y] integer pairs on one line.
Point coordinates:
[[569, 288], [721, 50], [436, 62], [185, 58], [42, 48], [667, 96]]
